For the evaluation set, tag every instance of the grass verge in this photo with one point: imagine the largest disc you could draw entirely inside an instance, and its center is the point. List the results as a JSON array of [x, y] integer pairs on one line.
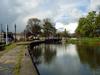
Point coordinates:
[[19, 59], [85, 41], [11, 46]]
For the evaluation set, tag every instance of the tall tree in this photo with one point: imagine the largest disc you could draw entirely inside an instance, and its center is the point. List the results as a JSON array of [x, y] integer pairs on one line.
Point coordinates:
[[97, 28], [33, 27], [88, 25], [48, 28]]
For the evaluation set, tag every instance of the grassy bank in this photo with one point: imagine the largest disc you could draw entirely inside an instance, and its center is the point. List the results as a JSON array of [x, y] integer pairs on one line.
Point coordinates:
[[85, 41], [10, 46]]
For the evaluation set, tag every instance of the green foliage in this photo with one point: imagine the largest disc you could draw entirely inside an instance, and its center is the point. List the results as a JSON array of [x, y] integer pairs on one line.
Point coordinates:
[[89, 26], [85, 41]]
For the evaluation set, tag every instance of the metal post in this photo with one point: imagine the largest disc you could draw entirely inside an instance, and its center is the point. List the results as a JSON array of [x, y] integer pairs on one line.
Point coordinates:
[[24, 35], [15, 32], [6, 34], [1, 32]]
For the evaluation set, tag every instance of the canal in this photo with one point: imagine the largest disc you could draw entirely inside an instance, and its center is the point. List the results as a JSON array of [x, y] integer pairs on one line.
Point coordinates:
[[67, 59]]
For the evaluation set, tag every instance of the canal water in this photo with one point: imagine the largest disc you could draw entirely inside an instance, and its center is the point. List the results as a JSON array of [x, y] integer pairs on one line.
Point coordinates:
[[67, 59]]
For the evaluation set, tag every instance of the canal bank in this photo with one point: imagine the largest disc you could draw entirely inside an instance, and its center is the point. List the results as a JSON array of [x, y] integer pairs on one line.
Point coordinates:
[[27, 67], [16, 62]]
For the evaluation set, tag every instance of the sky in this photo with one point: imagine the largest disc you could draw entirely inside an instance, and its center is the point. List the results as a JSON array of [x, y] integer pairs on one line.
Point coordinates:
[[64, 13]]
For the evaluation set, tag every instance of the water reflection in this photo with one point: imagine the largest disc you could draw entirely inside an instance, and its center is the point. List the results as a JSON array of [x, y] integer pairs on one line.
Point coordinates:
[[36, 54], [49, 53], [43, 52], [67, 59], [89, 55]]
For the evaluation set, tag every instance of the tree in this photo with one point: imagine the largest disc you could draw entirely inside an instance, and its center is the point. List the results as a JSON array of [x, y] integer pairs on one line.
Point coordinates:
[[48, 28], [97, 28], [65, 33], [33, 27], [88, 25]]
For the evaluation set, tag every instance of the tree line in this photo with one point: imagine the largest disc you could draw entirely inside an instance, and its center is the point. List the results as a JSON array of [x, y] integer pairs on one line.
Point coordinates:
[[89, 26], [42, 28]]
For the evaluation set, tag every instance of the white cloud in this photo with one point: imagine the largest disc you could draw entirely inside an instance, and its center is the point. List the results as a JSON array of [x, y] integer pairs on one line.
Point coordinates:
[[59, 26], [95, 5], [71, 27], [69, 11]]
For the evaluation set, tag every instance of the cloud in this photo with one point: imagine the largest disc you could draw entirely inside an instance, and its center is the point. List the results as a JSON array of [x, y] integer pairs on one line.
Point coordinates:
[[95, 5], [71, 27], [60, 26], [61, 11]]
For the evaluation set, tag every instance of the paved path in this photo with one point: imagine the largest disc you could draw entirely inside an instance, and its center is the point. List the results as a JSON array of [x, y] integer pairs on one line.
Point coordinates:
[[27, 67], [8, 61]]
